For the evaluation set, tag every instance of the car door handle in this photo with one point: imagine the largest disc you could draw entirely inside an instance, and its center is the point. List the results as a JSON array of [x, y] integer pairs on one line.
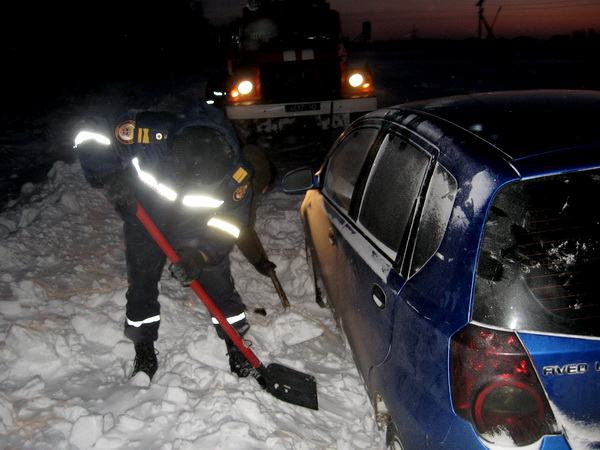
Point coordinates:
[[331, 236], [378, 296]]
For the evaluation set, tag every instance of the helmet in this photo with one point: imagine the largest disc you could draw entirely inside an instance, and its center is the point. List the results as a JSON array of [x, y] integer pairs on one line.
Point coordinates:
[[201, 156]]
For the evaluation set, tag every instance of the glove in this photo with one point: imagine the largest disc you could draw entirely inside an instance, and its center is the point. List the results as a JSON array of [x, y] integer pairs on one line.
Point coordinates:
[[189, 267], [118, 188]]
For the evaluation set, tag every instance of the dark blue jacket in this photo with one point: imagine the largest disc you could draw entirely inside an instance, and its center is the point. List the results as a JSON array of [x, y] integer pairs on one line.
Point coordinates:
[[147, 137]]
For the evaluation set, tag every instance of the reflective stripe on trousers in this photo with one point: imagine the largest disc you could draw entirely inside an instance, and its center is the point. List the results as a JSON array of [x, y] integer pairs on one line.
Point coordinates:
[[139, 323], [232, 320]]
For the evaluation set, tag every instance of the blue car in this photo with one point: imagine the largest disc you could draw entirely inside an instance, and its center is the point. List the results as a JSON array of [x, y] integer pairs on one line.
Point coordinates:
[[457, 241]]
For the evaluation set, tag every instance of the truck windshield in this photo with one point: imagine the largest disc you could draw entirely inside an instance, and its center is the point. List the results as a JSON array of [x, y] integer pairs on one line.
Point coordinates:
[[300, 28], [539, 266]]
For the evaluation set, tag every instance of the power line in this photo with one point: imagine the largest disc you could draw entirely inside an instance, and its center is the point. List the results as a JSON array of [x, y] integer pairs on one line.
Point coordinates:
[[552, 2], [539, 6]]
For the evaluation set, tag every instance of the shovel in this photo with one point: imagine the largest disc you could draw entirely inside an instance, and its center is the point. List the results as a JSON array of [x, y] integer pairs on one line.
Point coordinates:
[[282, 382]]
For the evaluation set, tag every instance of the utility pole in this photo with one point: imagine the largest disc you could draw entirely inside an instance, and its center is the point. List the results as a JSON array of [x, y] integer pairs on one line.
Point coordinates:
[[365, 34], [484, 23]]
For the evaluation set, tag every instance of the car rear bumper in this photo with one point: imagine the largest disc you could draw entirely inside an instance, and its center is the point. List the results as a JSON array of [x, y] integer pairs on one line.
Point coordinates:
[[462, 435]]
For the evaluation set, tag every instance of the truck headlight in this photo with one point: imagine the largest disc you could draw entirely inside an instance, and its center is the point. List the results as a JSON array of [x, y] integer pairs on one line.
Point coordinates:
[[357, 83], [245, 87], [356, 80]]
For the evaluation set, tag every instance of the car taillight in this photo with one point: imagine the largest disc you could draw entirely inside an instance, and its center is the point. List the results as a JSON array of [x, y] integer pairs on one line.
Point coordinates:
[[495, 387]]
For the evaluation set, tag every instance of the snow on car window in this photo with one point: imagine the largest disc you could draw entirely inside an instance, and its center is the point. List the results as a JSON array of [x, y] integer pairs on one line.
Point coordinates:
[[345, 165], [540, 256], [391, 192], [436, 212]]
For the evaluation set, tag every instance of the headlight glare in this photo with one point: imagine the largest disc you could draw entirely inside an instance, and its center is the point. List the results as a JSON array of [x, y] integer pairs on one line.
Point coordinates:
[[356, 79], [245, 87]]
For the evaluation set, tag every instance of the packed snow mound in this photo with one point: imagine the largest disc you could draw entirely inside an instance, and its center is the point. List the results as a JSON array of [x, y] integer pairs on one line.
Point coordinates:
[[64, 362]]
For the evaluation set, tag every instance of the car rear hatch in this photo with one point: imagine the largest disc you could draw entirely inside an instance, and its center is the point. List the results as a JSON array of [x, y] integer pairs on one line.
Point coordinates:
[[538, 274], [569, 369]]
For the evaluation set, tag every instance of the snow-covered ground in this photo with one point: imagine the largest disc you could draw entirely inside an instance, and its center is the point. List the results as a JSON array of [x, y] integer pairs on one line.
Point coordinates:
[[64, 362]]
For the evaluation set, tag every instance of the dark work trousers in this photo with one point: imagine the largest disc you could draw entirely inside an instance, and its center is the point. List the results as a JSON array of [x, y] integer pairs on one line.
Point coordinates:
[[145, 262]]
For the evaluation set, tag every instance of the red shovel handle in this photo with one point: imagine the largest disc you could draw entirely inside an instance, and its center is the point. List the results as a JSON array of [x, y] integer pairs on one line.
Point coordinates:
[[196, 287]]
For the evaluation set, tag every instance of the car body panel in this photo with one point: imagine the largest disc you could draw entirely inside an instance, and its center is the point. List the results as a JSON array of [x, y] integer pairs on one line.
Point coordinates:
[[558, 161], [569, 369], [368, 297], [318, 229], [400, 317], [521, 123], [325, 234]]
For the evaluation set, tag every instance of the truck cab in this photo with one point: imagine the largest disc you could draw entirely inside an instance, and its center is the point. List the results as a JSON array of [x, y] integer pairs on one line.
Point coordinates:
[[286, 60]]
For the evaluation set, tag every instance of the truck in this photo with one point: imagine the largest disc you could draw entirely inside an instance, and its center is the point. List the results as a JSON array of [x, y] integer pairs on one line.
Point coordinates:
[[287, 64]]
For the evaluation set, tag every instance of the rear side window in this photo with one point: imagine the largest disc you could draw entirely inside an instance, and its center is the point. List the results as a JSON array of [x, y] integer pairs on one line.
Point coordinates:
[[540, 256], [437, 208], [391, 192], [345, 165]]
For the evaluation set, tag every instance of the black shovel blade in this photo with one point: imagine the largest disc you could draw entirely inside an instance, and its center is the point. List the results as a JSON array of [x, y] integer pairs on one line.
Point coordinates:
[[289, 385]]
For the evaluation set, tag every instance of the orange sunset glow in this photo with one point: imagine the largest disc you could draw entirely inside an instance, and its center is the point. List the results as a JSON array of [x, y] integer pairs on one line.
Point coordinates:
[[449, 19], [460, 19]]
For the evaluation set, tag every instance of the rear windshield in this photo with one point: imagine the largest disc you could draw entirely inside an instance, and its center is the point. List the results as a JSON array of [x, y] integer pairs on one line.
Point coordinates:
[[539, 267]]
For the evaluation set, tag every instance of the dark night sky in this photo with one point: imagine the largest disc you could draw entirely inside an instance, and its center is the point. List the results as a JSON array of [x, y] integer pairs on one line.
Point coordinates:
[[453, 19], [75, 37]]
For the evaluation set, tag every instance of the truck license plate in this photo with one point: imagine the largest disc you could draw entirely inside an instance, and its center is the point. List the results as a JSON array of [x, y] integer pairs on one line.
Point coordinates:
[[299, 107]]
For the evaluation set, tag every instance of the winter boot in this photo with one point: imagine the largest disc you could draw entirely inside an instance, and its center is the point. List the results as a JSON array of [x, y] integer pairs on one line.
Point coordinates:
[[238, 363], [145, 359]]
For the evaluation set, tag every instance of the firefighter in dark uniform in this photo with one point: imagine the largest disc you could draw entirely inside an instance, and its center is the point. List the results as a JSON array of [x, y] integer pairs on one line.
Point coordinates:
[[189, 174]]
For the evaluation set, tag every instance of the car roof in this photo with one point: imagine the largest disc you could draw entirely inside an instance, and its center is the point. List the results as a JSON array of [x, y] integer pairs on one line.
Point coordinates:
[[519, 123]]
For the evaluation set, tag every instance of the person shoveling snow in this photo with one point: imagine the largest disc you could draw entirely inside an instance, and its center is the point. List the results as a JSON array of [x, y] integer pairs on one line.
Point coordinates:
[[190, 173], [191, 177]]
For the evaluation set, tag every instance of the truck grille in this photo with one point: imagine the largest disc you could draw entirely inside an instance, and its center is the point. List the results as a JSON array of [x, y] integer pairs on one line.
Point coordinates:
[[300, 81]]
